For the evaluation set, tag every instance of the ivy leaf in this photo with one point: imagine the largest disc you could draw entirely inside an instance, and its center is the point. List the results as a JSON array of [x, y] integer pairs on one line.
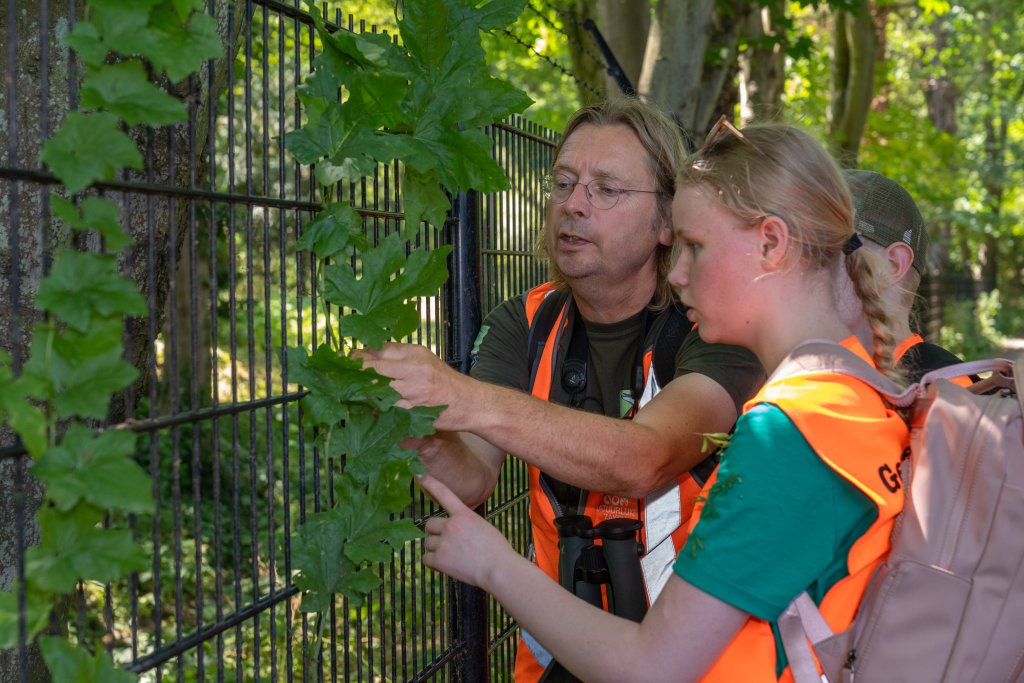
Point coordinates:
[[317, 552], [333, 230], [82, 285], [28, 421], [338, 378], [424, 199], [319, 138], [74, 548], [37, 615], [123, 24], [357, 584], [69, 663], [71, 368], [392, 320], [500, 13], [125, 90], [99, 214], [181, 49], [369, 440], [97, 469], [87, 148], [378, 299], [86, 41]]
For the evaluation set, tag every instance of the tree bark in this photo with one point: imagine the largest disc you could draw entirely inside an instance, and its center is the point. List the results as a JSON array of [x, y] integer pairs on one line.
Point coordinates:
[[625, 25], [853, 72], [40, 88], [763, 64]]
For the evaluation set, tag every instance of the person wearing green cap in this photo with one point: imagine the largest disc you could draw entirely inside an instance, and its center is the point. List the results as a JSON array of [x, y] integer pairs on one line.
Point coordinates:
[[888, 222]]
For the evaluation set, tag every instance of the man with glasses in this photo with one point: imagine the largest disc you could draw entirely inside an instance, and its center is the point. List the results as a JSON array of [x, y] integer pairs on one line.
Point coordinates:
[[557, 367]]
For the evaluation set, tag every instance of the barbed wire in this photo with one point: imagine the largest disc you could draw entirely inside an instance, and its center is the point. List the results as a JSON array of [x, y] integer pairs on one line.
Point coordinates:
[[553, 63], [580, 30]]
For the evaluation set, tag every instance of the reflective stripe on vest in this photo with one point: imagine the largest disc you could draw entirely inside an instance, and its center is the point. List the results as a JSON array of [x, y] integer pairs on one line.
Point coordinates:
[[812, 403]]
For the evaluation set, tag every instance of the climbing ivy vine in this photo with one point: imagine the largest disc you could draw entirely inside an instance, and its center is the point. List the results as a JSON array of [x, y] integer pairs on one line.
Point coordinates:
[[372, 101], [75, 360]]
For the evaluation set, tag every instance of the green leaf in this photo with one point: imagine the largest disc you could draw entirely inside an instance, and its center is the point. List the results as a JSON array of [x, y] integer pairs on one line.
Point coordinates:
[[338, 378], [71, 368], [25, 419], [500, 13], [424, 199], [85, 40], [83, 285], [125, 90], [181, 49], [97, 469], [37, 615], [69, 663], [370, 439], [357, 584], [99, 214], [317, 553], [333, 230], [74, 548], [319, 138], [87, 148]]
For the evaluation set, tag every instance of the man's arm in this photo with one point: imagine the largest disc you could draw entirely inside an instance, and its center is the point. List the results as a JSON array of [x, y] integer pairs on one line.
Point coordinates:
[[626, 457], [467, 464]]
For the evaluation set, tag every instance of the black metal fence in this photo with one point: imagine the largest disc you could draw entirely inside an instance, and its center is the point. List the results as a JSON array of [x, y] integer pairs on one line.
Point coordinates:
[[216, 214]]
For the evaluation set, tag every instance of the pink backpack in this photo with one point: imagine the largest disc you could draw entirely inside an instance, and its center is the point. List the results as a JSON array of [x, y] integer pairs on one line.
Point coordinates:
[[948, 603]]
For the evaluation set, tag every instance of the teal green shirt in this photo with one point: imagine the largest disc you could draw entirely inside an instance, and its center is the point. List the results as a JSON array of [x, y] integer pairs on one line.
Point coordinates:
[[777, 522]]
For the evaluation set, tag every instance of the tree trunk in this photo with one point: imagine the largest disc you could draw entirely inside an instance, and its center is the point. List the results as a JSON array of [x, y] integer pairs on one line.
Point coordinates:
[[625, 25], [763, 64], [853, 71], [40, 88], [941, 99], [674, 60], [587, 63]]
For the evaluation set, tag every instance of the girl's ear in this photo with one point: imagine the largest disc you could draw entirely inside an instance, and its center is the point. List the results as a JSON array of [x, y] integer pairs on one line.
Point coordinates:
[[900, 259], [773, 241]]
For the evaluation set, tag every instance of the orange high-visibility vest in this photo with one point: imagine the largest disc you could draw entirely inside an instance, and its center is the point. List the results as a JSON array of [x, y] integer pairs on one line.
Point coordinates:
[[913, 340], [852, 430], [665, 512]]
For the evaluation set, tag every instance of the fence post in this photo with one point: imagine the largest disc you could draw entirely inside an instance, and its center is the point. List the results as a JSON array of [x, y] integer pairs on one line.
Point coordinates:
[[468, 605]]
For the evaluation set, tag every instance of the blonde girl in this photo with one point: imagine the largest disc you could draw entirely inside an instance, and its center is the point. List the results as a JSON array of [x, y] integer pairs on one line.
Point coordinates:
[[762, 221]]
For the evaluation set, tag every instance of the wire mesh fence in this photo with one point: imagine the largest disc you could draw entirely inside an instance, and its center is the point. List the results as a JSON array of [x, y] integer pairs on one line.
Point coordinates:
[[216, 213]]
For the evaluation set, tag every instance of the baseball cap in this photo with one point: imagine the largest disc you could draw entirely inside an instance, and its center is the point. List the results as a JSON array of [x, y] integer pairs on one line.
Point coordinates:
[[886, 213]]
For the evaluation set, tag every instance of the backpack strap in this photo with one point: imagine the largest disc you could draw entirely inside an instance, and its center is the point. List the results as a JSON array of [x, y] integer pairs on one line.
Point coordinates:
[[821, 355], [666, 346], [540, 327]]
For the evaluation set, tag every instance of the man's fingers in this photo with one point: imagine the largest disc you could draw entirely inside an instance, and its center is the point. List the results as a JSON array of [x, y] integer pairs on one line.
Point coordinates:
[[442, 494]]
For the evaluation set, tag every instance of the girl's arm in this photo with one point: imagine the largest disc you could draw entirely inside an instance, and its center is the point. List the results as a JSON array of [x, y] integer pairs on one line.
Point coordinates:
[[679, 639]]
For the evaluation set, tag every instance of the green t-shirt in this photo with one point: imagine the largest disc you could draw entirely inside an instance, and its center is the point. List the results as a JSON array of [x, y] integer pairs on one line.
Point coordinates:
[[779, 521], [501, 357]]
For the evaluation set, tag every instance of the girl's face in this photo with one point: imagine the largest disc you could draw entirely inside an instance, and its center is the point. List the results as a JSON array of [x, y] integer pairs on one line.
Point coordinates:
[[716, 267]]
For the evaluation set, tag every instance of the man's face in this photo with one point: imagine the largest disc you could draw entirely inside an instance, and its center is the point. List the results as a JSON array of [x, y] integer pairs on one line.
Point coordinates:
[[616, 247]]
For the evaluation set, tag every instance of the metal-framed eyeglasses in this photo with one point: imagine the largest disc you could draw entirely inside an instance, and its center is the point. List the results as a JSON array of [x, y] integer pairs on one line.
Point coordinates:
[[601, 193]]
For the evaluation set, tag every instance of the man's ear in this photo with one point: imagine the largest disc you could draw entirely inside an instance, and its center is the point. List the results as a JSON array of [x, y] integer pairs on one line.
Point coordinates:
[[665, 234], [899, 258], [773, 241]]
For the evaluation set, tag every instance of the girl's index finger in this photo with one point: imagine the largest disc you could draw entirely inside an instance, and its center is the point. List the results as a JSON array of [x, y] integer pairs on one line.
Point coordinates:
[[441, 493]]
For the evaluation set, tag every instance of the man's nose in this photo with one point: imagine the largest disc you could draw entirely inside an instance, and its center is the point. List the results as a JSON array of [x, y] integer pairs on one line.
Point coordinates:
[[578, 200]]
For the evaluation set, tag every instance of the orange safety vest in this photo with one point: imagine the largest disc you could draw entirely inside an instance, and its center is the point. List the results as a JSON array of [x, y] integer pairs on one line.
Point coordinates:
[[665, 512], [813, 402], [913, 340]]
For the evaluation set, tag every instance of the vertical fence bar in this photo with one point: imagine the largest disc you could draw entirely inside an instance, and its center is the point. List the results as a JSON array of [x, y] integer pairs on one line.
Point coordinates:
[[463, 317]]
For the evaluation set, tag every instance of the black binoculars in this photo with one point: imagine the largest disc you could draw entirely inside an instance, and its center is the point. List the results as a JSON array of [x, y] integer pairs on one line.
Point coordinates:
[[584, 566]]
